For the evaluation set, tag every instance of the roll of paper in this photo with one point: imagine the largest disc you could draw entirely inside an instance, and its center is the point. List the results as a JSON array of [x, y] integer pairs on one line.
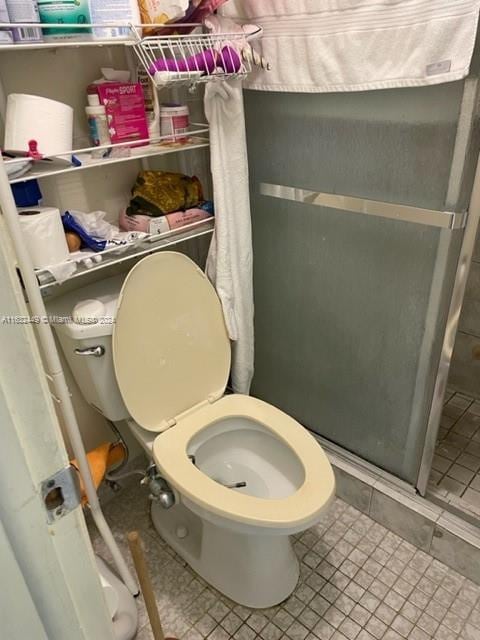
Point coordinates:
[[44, 235], [47, 121]]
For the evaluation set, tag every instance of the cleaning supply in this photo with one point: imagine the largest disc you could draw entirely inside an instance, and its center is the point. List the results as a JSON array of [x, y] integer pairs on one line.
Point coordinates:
[[113, 11], [98, 127], [174, 122], [25, 11], [43, 235], [33, 118], [6, 35], [68, 13], [125, 108]]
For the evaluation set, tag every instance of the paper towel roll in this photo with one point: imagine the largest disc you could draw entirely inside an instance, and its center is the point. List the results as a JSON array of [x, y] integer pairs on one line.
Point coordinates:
[[48, 122], [44, 235]]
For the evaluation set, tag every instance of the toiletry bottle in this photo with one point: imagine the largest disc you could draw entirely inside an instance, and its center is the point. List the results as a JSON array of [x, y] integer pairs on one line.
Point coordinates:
[[68, 13], [25, 11], [152, 103], [97, 125], [111, 12]]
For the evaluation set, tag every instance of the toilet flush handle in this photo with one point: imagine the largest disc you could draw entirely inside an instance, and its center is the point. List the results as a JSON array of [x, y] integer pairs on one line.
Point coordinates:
[[96, 352]]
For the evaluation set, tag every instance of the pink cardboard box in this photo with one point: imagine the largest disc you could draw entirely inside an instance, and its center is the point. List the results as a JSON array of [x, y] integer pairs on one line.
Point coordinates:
[[125, 108]]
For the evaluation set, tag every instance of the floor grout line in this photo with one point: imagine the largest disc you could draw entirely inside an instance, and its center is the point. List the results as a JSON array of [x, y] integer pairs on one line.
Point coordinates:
[[359, 581]]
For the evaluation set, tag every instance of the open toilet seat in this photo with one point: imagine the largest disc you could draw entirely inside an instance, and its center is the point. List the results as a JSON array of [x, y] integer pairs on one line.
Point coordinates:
[[171, 355], [295, 512]]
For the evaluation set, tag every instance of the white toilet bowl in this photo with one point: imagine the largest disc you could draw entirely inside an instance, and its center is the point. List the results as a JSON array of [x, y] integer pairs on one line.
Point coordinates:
[[245, 475], [244, 548]]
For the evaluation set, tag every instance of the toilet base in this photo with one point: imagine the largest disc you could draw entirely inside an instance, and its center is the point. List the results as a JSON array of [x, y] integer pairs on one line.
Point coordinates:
[[257, 571]]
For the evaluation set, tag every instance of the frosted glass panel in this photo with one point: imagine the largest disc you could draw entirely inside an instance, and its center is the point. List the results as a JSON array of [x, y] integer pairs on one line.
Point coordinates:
[[393, 146], [346, 338]]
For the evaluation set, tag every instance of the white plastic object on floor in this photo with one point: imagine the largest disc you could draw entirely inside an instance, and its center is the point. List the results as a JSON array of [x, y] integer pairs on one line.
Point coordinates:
[[57, 377], [171, 363], [120, 602]]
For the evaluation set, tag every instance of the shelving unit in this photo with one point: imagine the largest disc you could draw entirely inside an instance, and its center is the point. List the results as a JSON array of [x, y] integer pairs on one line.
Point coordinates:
[[189, 59], [39, 284], [83, 264], [159, 147]]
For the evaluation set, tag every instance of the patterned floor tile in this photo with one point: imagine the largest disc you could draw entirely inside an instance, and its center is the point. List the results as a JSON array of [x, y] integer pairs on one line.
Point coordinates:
[[364, 583]]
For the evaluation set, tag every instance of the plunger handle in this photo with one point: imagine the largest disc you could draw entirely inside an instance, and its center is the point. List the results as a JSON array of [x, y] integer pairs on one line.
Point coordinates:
[[136, 550]]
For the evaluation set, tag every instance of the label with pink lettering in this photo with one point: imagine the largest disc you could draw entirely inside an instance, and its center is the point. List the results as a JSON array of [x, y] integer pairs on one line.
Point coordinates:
[[125, 108]]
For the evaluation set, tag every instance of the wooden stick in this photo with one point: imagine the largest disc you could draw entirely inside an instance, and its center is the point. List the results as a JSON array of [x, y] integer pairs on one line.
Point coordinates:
[[136, 550]]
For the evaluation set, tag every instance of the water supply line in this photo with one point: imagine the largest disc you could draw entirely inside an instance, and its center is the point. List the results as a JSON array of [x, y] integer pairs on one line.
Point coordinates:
[[56, 375]]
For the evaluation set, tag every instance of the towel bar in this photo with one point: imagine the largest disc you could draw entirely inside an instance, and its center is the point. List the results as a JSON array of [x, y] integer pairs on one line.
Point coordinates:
[[405, 213]]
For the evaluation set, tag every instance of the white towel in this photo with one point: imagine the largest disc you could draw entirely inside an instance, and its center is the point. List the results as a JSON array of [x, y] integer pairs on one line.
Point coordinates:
[[357, 45], [229, 264]]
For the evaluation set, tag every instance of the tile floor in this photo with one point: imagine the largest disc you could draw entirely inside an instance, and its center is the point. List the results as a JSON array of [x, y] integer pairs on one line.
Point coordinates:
[[456, 465], [359, 581]]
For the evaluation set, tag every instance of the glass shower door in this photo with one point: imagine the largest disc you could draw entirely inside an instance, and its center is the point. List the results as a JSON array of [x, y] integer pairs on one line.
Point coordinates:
[[352, 294]]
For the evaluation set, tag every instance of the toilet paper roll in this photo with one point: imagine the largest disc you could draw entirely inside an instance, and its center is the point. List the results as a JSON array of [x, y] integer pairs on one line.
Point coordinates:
[[48, 122], [44, 235]]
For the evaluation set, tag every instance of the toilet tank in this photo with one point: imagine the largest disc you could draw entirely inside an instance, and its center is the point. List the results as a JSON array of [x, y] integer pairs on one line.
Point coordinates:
[[91, 326]]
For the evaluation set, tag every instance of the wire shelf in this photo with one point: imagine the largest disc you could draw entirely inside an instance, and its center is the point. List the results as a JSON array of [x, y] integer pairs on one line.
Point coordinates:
[[85, 262], [194, 58], [181, 58], [195, 138]]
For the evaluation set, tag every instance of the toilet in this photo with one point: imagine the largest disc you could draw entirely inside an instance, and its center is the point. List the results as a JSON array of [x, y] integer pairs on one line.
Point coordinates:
[[234, 477]]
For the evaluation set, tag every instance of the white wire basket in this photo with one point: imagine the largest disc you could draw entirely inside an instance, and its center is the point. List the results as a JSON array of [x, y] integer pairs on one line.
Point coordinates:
[[194, 58]]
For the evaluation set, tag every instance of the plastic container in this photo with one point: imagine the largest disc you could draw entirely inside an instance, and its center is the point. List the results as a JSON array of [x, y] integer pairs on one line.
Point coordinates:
[[174, 123], [25, 11], [68, 13], [152, 104], [27, 194], [111, 11], [98, 128]]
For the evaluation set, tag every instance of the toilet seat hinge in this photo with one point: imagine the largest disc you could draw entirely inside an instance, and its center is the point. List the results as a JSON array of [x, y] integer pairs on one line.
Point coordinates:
[[168, 424], [213, 397]]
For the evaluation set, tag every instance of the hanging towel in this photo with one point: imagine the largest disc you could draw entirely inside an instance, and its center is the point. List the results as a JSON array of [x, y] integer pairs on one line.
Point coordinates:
[[357, 45], [229, 263]]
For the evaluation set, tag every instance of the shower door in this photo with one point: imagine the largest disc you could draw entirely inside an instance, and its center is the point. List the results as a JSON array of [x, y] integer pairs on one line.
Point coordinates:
[[355, 252]]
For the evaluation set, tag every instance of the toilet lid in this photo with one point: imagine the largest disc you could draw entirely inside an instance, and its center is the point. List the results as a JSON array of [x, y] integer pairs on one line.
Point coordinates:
[[171, 350]]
